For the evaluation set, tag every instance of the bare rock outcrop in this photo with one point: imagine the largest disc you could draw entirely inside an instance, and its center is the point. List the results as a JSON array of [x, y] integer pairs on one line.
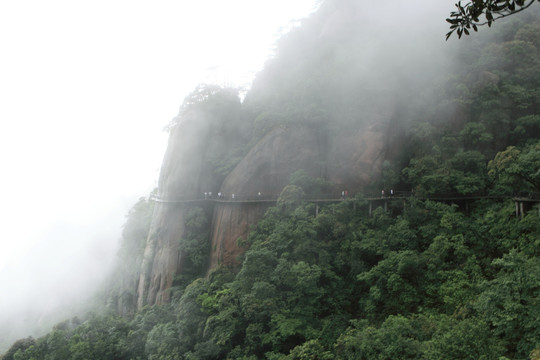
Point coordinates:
[[267, 166], [349, 160], [231, 222], [266, 170], [179, 179]]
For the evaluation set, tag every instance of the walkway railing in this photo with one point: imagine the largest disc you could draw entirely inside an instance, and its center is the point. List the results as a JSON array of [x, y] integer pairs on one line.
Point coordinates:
[[529, 196]]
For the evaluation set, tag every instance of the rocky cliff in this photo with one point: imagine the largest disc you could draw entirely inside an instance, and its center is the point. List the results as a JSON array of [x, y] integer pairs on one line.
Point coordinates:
[[348, 159], [328, 114], [179, 178]]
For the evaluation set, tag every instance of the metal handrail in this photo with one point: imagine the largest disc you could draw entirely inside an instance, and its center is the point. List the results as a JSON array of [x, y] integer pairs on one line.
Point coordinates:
[[338, 197]]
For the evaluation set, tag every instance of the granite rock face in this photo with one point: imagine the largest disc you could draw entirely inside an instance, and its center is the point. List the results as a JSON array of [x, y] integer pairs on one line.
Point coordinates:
[[328, 103], [229, 223], [348, 159], [179, 179]]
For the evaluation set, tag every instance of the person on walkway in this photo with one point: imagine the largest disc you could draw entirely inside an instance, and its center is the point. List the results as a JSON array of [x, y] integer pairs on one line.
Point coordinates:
[[232, 196], [206, 195], [382, 194]]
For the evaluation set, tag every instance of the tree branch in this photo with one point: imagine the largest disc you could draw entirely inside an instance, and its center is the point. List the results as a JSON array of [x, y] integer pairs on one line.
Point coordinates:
[[467, 16]]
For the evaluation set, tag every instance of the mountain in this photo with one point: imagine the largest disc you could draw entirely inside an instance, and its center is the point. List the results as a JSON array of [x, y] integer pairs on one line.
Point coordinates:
[[351, 101], [346, 159], [322, 107], [344, 105]]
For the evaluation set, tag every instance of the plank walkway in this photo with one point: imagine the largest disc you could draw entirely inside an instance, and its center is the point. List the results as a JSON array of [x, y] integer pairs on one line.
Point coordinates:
[[272, 199], [522, 203]]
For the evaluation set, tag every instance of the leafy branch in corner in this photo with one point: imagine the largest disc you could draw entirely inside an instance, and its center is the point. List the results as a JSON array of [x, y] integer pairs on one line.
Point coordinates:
[[482, 12]]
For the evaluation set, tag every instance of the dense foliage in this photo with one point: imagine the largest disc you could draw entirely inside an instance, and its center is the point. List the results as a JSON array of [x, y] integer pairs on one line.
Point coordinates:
[[486, 112], [121, 289], [421, 280]]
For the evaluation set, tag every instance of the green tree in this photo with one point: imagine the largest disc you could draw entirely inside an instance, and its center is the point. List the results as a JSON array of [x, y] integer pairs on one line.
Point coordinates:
[[467, 339], [103, 336], [398, 337], [393, 285], [311, 186], [196, 242], [474, 133], [510, 302], [527, 129], [476, 13], [20, 345], [163, 343], [192, 312], [57, 345], [517, 169], [142, 323], [310, 350], [290, 197]]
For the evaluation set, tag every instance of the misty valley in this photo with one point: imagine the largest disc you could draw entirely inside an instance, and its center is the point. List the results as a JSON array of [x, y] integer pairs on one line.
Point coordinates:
[[375, 194]]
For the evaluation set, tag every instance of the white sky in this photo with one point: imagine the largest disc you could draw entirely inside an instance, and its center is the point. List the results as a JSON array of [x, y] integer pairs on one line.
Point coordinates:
[[86, 88]]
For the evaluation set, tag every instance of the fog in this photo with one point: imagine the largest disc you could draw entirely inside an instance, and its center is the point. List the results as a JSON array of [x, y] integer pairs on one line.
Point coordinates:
[[85, 91]]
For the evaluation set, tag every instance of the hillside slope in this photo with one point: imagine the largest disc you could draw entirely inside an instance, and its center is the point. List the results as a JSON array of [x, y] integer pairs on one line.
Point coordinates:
[[450, 271]]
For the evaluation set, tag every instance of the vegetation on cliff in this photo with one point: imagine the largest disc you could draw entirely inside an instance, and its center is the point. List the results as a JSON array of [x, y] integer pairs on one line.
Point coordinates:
[[420, 280]]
